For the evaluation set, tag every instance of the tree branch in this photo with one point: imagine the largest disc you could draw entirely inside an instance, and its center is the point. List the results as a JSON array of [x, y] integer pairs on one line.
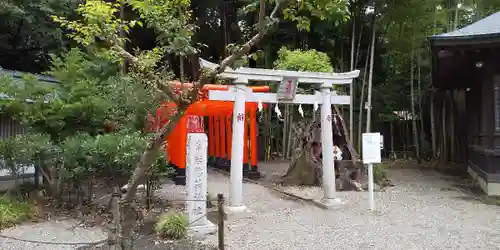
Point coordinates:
[[167, 90], [155, 143], [262, 14], [160, 86], [244, 49], [252, 42], [125, 54]]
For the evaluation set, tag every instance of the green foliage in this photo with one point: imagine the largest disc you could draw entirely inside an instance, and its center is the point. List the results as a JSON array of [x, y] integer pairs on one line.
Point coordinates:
[[332, 10], [172, 225], [113, 154], [15, 154], [170, 19], [13, 212], [303, 60], [160, 169], [81, 155], [100, 20], [380, 175], [78, 155], [28, 36], [119, 151], [88, 97]]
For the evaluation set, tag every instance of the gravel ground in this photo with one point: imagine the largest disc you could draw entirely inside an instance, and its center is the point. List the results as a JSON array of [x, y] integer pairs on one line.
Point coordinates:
[[148, 242], [49, 235], [423, 211]]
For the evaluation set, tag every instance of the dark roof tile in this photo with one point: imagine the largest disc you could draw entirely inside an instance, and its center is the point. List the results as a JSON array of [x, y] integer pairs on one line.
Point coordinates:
[[487, 27]]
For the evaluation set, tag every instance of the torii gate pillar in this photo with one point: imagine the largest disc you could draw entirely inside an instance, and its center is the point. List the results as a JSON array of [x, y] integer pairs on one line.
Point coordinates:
[[236, 190], [329, 199]]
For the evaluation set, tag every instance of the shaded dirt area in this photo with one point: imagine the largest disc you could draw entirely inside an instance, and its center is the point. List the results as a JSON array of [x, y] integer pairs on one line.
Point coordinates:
[[84, 227], [272, 171]]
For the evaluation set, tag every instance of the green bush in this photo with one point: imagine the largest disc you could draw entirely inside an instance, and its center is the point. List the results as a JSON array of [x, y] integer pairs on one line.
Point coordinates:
[[13, 212], [379, 173], [14, 155], [112, 153], [172, 225], [380, 176], [303, 60]]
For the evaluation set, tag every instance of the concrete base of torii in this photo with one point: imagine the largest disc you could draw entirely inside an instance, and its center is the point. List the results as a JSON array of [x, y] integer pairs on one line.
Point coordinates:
[[234, 210], [333, 203]]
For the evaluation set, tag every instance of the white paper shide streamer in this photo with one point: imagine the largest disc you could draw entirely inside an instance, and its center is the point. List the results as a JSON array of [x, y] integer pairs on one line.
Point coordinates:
[[301, 111], [316, 106], [259, 106], [277, 110]]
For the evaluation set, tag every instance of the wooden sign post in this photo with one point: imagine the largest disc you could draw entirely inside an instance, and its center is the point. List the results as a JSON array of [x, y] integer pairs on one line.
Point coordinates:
[[371, 154]]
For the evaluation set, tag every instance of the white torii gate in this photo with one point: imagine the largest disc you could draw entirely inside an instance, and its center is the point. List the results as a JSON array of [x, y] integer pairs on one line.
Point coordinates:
[[241, 94]]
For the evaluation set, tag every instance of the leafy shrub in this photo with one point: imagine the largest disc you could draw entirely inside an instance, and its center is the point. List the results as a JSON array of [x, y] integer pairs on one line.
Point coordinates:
[[172, 225], [78, 155], [380, 175], [13, 212], [112, 154], [303, 60], [16, 155]]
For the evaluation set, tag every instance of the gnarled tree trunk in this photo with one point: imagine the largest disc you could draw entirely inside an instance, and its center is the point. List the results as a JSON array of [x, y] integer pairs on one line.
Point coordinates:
[[302, 171], [305, 170]]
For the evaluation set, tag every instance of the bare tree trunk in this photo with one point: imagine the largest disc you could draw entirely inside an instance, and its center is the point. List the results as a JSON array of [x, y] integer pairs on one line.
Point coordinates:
[[267, 113], [420, 99], [432, 103], [269, 132], [370, 76], [354, 154], [351, 88], [181, 69], [284, 132], [290, 134], [433, 125], [412, 97], [115, 225], [362, 100], [393, 154], [358, 47], [122, 33]]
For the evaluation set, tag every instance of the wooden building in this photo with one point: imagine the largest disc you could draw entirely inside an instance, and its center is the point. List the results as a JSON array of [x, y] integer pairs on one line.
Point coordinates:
[[8, 126], [11, 127], [466, 69]]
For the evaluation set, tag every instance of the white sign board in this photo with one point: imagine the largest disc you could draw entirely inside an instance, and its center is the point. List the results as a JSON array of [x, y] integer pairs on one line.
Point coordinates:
[[371, 148], [287, 89], [196, 178]]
